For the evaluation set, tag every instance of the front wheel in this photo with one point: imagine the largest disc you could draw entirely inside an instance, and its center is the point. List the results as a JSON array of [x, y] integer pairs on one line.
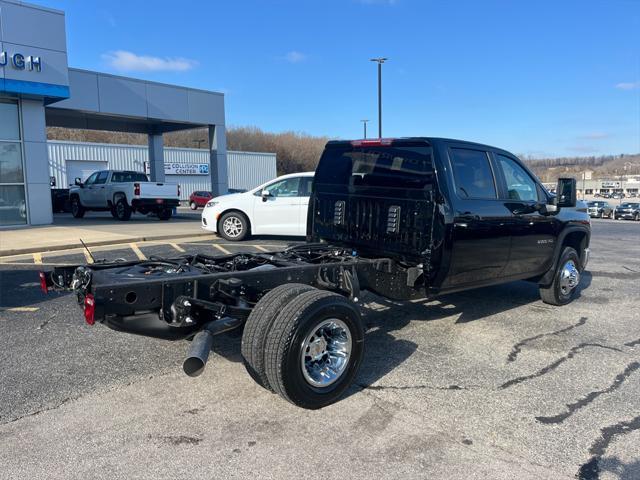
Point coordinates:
[[314, 349], [233, 226], [565, 280]]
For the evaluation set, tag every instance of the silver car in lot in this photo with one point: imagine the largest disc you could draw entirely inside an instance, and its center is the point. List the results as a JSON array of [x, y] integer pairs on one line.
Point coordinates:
[[599, 209]]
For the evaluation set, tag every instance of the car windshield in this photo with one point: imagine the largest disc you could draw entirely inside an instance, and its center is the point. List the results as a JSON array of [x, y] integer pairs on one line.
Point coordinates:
[[126, 177], [629, 205], [596, 204]]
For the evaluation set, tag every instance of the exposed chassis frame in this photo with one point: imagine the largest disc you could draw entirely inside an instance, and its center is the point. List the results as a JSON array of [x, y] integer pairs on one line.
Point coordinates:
[[177, 306]]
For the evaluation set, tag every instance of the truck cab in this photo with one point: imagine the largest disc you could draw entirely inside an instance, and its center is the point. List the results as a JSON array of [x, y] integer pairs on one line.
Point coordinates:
[[465, 214]]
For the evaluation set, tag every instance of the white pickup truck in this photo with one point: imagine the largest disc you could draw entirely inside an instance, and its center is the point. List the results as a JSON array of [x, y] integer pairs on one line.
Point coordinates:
[[123, 192]]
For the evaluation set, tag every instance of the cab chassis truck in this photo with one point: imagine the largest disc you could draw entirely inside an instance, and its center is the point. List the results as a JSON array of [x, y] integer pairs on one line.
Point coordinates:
[[403, 218]]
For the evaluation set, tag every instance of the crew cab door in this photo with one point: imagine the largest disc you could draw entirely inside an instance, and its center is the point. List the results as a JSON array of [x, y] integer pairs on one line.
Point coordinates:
[[99, 191], [480, 236], [87, 192], [278, 213], [533, 234]]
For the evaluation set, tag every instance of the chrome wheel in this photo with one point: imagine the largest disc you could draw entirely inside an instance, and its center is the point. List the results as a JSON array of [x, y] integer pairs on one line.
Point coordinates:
[[325, 352], [569, 277], [232, 227]]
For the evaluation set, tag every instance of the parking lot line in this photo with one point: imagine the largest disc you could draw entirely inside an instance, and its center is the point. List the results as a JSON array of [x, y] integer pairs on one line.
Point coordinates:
[[87, 256], [137, 251], [177, 247], [20, 309], [37, 258], [259, 247], [222, 249]]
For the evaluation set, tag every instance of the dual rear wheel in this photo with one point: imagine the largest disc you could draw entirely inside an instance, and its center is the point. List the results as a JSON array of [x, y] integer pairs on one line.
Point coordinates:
[[304, 344]]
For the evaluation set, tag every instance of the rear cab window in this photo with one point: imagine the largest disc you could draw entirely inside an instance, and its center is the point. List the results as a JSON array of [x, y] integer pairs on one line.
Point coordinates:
[[128, 177], [393, 168]]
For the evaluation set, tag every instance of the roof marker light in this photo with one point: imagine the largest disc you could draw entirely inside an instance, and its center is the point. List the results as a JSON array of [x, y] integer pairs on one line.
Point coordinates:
[[372, 142]]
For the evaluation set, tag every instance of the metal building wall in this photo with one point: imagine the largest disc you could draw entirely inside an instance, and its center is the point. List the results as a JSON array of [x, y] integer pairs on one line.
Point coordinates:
[[245, 169]]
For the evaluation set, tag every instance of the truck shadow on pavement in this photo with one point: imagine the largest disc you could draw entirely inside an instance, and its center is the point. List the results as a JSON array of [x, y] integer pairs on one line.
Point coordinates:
[[21, 288]]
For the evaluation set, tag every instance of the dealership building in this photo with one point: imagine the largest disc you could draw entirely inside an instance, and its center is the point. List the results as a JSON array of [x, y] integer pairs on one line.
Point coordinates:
[[38, 89]]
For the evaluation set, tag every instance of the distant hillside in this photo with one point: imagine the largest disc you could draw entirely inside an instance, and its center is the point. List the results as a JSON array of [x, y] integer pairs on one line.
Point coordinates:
[[549, 169], [298, 151]]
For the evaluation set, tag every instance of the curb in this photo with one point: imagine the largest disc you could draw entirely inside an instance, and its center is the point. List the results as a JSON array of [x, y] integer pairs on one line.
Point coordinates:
[[101, 243]]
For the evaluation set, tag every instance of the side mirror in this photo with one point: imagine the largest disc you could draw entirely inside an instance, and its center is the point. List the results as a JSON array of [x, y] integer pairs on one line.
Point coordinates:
[[265, 194], [78, 181], [566, 196]]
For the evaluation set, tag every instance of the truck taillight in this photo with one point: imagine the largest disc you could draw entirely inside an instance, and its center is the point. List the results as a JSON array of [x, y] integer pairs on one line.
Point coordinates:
[[136, 189], [89, 309], [43, 282]]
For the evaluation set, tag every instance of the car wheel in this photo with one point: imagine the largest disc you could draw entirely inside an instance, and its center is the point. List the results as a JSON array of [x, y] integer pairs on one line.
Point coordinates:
[[77, 210], [254, 336], [165, 213], [233, 226], [193, 206], [123, 210], [636, 217], [314, 349], [565, 280]]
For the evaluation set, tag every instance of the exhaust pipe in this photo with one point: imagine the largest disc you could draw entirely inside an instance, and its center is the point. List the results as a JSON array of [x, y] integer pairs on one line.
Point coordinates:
[[198, 353], [203, 341]]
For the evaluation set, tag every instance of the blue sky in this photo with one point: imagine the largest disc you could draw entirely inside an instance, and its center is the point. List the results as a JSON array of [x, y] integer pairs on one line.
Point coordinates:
[[535, 77]]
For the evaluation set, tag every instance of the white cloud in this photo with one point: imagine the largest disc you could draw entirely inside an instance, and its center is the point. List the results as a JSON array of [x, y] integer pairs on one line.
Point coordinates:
[[583, 149], [594, 136], [125, 61], [628, 85], [295, 57]]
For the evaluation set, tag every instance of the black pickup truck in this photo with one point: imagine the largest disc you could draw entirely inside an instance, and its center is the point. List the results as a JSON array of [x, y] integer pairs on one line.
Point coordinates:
[[404, 218]]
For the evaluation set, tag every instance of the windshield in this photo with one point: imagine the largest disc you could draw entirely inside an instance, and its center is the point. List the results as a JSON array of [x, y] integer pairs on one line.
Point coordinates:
[[596, 204], [629, 205], [376, 166], [127, 177]]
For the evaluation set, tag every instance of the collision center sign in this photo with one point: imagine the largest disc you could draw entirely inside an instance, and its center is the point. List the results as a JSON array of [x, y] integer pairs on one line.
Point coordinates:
[[186, 169]]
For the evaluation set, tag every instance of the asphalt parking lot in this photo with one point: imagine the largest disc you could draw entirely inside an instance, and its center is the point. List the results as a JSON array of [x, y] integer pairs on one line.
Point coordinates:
[[484, 384]]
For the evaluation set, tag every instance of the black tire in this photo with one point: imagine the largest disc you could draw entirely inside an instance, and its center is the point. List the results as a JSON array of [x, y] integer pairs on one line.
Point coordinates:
[[237, 219], [112, 210], [165, 213], [123, 210], [636, 217], [254, 336], [193, 206], [556, 293], [77, 210], [300, 319]]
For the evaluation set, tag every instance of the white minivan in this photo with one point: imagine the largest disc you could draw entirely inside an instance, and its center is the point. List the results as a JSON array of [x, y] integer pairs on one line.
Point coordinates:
[[278, 207]]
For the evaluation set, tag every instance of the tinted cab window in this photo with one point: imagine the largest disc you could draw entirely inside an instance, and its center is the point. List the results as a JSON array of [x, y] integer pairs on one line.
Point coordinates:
[[519, 184], [472, 173]]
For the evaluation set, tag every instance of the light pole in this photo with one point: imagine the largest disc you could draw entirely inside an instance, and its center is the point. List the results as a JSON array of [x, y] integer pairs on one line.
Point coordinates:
[[379, 61], [364, 122]]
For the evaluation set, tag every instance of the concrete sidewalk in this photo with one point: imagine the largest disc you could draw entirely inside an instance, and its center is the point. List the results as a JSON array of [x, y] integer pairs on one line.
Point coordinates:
[[97, 229]]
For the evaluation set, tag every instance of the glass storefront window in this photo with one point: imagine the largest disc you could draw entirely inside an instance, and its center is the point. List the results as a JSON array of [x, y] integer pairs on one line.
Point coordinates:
[[9, 121], [10, 163], [13, 207]]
